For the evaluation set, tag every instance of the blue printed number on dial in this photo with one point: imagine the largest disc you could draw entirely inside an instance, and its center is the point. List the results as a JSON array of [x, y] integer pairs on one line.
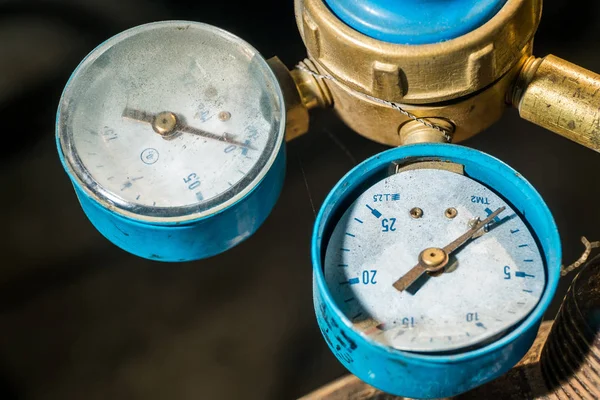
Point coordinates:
[[386, 197]]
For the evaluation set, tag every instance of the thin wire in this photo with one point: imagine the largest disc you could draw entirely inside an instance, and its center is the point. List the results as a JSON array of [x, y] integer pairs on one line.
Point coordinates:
[[339, 144], [395, 106], [312, 204], [584, 257]]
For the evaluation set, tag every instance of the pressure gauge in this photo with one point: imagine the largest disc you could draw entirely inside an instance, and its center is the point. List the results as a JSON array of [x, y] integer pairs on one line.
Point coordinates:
[[433, 266], [173, 136]]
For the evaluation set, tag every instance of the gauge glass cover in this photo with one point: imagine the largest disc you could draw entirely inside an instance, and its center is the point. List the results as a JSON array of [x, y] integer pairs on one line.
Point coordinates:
[[212, 93], [489, 285]]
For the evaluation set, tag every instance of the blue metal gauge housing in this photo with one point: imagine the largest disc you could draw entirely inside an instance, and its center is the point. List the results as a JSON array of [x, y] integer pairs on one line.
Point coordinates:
[[415, 21], [193, 240], [433, 374], [172, 134]]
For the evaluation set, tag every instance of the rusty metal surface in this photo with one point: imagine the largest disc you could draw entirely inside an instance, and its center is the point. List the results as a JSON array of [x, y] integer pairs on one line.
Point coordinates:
[[571, 357]]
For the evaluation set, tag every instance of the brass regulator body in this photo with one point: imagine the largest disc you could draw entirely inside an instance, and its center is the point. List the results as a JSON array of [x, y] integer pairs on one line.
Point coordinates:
[[460, 86]]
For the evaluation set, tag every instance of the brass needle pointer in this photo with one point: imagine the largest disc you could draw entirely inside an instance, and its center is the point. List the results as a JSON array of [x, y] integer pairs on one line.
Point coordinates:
[[434, 259], [167, 124]]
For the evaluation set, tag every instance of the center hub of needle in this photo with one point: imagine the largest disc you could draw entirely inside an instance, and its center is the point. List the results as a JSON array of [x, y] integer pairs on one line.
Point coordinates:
[[164, 123], [433, 259]]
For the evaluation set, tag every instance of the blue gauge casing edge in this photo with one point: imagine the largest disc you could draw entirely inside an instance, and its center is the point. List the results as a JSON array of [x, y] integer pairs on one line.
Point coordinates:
[[419, 375], [189, 240]]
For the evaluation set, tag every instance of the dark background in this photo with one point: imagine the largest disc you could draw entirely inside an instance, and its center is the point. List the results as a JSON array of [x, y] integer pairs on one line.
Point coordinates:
[[81, 319]]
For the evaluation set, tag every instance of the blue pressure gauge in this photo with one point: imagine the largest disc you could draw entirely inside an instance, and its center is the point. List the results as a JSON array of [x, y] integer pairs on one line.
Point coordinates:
[[173, 136], [433, 267]]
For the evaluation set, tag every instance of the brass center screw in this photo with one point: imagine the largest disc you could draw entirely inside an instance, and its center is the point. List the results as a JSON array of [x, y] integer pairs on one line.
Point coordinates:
[[416, 212], [165, 123], [451, 213]]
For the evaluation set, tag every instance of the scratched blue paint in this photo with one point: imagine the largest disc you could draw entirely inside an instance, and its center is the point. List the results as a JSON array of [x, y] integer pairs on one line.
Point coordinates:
[[193, 240], [415, 21], [432, 376]]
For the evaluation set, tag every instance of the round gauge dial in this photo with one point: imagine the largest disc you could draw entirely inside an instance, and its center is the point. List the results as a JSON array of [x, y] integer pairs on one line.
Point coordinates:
[[171, 121], [491, 274]]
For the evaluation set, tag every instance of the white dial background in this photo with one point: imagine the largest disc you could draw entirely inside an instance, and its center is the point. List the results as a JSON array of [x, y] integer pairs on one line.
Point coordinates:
[[494, 280], [195, 71]]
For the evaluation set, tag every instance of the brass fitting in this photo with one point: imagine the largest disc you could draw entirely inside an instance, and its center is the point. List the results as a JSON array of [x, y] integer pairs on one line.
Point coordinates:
[[416, 132], [561, 97], [463, 84], [301, 92], [463, 81], [313, 90], [419, 74]]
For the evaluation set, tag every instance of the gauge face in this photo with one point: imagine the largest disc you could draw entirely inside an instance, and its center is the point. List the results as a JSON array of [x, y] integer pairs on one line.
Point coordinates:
[[171, 121], [488, 285]]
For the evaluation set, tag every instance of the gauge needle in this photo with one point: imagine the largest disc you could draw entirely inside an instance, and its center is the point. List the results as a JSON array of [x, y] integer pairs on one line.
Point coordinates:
[[167, 124], [434, 259]]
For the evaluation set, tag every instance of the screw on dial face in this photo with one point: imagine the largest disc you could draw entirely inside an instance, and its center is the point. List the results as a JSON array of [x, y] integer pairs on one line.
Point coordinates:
[[479, 282], [142, 128]]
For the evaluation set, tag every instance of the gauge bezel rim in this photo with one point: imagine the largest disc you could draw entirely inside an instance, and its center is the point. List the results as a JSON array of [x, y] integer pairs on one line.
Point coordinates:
[[187, 216], [449, 152]]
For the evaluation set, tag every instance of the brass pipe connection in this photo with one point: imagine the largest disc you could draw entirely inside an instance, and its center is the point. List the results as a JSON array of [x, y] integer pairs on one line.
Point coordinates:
[[561, 97], [301, 92], [463, 81], [449, 91], [415, 132]]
